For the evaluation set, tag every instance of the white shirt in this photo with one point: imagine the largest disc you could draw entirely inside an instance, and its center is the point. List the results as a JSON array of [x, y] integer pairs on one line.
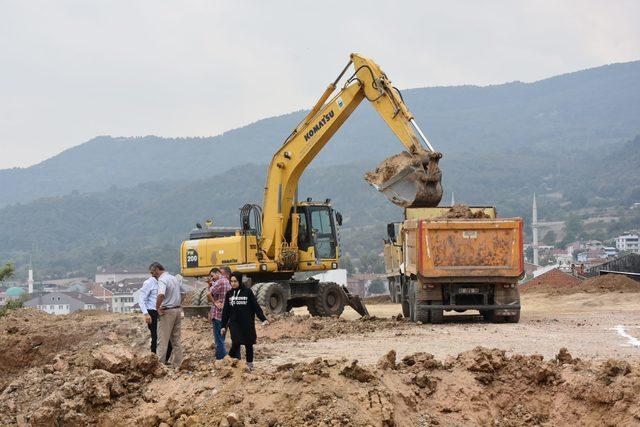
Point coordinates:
[[148, 295], [171, 288]]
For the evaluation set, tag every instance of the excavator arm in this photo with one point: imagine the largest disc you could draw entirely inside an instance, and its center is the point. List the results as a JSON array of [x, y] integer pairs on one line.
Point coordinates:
[[417, 183]]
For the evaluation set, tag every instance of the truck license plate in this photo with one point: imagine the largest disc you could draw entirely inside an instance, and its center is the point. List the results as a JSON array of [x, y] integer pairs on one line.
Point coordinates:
[[468, 290]]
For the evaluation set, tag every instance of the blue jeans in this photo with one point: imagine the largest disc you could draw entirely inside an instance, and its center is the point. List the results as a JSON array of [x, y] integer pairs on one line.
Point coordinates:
[[221, 351]]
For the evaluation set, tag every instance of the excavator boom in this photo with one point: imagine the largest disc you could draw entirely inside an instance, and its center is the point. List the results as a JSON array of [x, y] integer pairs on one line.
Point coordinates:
[[410, 179]]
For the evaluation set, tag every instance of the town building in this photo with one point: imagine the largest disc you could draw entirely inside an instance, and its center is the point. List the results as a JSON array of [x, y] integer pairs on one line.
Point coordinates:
[[14, 294], [98, 291], [124, 294], [629, 243], [115, 276], [64, 302]]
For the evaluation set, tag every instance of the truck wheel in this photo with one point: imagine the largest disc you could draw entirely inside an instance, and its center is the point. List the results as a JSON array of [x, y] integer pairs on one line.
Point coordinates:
[[404, 292], [330, 300], [271, 297], [412, 302], [437, 316], [422, 313], [392, 290], [513, 319]]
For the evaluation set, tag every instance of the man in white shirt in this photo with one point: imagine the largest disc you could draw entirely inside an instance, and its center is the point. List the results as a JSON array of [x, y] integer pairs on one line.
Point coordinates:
[[147, 302], [168, 305]]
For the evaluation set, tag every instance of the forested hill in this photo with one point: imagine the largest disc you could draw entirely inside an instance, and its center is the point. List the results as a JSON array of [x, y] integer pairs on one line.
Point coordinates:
[[127, 228], [564, 117]]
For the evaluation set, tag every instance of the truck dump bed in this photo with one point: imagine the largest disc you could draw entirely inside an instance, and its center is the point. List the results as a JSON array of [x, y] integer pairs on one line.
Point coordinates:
[[465, 250]]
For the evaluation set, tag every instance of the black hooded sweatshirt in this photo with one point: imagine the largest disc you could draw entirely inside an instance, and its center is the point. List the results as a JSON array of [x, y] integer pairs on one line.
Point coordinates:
[[239, 313]]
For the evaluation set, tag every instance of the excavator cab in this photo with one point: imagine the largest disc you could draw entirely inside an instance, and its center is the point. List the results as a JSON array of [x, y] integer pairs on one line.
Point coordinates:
[[316, 229]]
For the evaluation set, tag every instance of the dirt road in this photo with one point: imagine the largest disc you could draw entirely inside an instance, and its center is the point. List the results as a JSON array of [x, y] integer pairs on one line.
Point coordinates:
[[591, 326]]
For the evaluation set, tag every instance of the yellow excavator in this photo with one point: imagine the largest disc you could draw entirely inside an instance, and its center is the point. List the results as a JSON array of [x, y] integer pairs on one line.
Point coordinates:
[[285, 236]]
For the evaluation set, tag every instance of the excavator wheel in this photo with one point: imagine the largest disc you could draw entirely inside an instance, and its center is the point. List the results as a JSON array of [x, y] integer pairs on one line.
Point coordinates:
[[311, 308], [199, 297], [330, 300], [271, 297]]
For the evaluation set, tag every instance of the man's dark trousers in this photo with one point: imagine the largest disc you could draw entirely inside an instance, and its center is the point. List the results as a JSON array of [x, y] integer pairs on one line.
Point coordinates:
[[153, 328]]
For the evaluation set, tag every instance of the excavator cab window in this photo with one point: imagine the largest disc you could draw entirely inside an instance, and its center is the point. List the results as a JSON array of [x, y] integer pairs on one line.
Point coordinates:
[[324, 231]]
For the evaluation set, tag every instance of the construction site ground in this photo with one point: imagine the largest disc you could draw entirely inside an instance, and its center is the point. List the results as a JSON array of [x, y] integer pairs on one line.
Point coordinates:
[[95, 368]]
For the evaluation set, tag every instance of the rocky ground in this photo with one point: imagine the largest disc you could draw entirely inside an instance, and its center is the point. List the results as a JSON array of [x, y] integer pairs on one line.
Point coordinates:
[[568, 361]]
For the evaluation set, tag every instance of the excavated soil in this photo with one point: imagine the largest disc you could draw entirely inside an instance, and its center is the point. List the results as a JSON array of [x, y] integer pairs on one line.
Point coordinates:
[[95, 369], [463, 212], [599, 284], [389, 167]]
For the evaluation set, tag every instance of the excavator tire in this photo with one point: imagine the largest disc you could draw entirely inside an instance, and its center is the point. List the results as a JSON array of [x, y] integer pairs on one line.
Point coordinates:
[[271, 297], [311, 308], [330, 300], [199, 297]]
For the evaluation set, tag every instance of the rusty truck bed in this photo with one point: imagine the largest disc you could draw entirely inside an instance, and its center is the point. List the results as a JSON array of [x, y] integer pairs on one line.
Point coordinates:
[[463, 250]]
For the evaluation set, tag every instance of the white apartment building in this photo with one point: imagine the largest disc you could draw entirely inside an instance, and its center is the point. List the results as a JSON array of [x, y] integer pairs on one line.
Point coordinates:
[[628, 242]]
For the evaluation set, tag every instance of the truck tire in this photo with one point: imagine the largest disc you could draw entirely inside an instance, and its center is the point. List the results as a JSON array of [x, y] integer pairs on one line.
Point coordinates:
[[422, 313], [392, 289], [199, 297], [330, 299], [404, 292], [271, 297], [411, 290], [437, 316], [513, 319]]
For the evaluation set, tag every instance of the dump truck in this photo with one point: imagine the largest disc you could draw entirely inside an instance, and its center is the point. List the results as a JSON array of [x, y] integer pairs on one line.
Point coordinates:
[[438, 262]]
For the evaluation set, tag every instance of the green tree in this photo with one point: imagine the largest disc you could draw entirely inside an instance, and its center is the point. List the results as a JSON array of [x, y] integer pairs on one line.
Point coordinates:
[[347, 264], [549, 238], [377, 287], [573, 229], [6, 272]]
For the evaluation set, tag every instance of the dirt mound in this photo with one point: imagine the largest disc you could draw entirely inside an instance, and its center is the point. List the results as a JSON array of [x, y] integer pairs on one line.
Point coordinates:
[[609, 283], [378, 299], [108, 377], [463, 212], [565, 284], [307, 328]]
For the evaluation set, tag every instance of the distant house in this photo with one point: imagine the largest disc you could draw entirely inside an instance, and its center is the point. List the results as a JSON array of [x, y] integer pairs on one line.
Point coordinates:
[[124, 294], [594, 255], [98, 291], [64, 302], [14, 293], [629, 243], [553, 278], [114, 276]]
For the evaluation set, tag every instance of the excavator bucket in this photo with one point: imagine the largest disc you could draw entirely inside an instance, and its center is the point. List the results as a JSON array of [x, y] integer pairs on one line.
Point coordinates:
[[408, 180], [355, 302]]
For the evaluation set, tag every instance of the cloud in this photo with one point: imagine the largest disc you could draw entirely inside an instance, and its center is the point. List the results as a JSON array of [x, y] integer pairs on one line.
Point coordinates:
[[75, 69]]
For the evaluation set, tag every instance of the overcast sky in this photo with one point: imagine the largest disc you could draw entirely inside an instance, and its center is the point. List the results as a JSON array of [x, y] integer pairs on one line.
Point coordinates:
[[71, 70]]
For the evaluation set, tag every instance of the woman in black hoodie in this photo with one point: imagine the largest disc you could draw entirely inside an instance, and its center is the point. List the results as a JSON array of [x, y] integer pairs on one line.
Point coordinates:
[[239, 313]]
